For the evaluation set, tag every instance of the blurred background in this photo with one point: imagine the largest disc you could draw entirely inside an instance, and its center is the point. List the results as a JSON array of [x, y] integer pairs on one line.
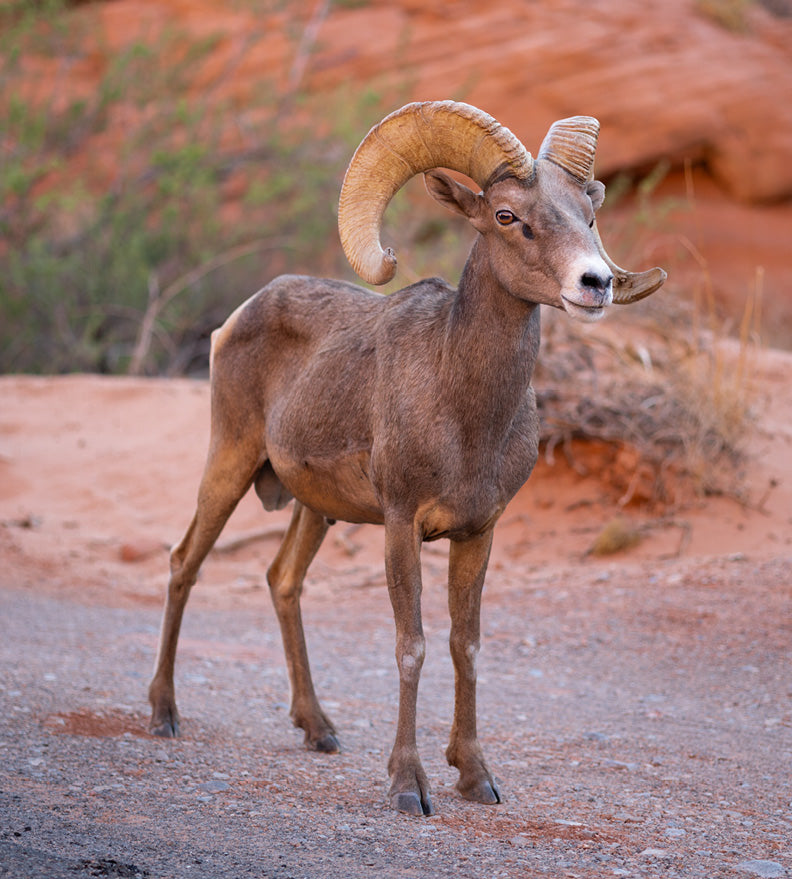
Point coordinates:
[[161, 161]]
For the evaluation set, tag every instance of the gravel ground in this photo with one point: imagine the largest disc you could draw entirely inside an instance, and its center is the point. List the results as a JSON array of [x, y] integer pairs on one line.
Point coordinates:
[[638, 717]]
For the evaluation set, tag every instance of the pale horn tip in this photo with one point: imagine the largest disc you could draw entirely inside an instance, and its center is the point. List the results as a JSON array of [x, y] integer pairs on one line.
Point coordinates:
[[629, 287], [377, 268], [634, 286]]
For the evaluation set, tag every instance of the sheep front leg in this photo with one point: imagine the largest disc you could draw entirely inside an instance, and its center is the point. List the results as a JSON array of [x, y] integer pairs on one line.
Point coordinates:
[[467, 567], [409, 791]]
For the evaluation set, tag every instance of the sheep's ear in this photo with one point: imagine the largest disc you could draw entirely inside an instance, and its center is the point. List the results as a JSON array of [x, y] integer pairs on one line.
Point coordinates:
[[596, 192], [452, 195]]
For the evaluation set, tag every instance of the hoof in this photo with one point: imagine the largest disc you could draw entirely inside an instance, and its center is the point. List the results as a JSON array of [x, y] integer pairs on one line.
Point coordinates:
[[484, 791], [164, 723], [328, 744], [409, 803], [168, 729]]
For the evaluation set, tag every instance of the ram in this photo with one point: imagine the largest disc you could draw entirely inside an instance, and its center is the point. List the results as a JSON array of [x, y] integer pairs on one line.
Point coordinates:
[[414, 411]]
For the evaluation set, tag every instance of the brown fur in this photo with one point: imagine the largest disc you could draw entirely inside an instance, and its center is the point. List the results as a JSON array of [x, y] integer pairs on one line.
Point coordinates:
[[414, 411]]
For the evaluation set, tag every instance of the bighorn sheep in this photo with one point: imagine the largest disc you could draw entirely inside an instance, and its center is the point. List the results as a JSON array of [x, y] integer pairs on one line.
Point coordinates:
[[413, 411]]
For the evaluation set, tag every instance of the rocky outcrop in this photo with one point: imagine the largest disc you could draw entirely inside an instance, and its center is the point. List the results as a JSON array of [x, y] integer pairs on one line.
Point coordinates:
[[676, 80], [667, 80]]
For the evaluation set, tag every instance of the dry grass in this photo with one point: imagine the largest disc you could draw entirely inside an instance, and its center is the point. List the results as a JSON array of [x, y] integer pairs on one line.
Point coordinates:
[[670, 409]]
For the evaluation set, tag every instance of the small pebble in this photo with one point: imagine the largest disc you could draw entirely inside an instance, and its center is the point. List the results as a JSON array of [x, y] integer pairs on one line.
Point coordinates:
[[675, 832], [214, 786], [654, 853], [618, 764], [137, 550], [763, 869]]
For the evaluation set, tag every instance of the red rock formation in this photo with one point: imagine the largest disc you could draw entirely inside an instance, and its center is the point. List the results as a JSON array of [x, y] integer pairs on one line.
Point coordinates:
[[668, 82]]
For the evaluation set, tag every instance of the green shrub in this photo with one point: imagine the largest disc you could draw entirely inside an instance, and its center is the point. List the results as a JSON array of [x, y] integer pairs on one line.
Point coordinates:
[[96, 241]]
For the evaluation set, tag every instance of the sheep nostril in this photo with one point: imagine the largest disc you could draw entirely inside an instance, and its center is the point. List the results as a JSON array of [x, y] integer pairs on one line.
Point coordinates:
[[596, 282]]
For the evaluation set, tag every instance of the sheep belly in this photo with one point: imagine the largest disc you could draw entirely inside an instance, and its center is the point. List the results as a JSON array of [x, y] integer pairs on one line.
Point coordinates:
[[336, 488]]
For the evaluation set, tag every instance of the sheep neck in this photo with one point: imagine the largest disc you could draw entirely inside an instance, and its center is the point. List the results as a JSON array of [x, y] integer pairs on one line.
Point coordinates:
[[492, 341], [487, 318]]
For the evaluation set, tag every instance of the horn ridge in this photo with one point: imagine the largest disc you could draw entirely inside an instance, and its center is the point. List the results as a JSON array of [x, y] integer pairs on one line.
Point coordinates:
[[572, 144]]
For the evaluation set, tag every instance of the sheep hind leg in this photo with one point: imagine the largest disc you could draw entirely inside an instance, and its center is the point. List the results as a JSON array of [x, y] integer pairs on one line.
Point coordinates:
[[228, 475], [285, 576]]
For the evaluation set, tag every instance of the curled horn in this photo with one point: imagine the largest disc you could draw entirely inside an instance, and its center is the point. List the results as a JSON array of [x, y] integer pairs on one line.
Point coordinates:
[[571, 144], [417, 138]]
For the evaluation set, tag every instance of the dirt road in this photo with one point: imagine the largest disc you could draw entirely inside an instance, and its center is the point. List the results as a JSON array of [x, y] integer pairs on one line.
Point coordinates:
[[639, 721], [637, 710]]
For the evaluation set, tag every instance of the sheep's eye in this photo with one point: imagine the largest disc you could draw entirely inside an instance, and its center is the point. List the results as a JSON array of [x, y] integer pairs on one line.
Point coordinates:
[[527, 231], [591, 224], [505, 218]]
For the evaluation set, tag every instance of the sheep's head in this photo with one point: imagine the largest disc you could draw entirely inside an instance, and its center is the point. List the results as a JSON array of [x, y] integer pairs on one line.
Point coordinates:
[[539, 239], [537, 215]]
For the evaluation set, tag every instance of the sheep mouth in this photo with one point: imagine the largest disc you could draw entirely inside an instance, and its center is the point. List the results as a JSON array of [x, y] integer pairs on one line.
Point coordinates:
[[586, 313]]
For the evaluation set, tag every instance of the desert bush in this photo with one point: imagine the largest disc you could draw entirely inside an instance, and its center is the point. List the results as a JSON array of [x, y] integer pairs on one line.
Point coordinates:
[[729, 14], [667, 400], [137, 215], [734, 15]]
